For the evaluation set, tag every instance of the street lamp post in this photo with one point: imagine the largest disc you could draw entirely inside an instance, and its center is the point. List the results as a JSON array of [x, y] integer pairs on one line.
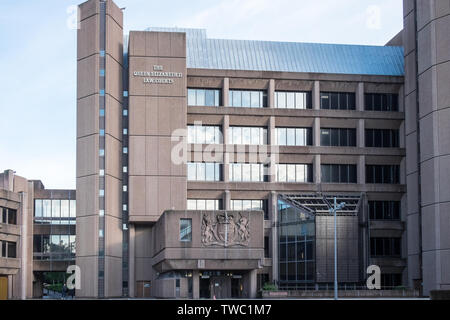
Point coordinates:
[[333, 209]]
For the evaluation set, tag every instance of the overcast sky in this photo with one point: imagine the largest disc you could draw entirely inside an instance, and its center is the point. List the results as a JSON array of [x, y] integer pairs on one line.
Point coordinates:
[[38, 59]]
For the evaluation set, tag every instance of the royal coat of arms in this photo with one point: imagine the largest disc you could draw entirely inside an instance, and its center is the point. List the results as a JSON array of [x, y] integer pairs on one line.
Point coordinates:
[[225, 229]]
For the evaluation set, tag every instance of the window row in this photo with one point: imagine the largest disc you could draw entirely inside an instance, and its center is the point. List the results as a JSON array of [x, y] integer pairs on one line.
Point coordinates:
[[294, 137], [381, 102], [338, 173], [8, 216], [204, 97], [293, 100], [338, 137], [337, 100], [384, 210], [382, 138], [250, 205], [296, 272], [46, 243], [385, 247], [9, 249], [247, 172], [204, 171], [300, 173], [388, 174], [204, 204], [248, 99], [204, 134], [247, 135], [296, 251], [47, 208]]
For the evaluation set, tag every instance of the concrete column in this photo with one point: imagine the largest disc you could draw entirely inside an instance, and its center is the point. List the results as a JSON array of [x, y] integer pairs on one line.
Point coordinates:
[[24, 246], [253, 284], [227, 200], [317, 169], [360, 97], [226, 92], [316, 95], [131, 260], [274, 149], [274, 217], [271, 94], [226, 156], [316, 132], [195, 284], [361, 170], [360, 133], [10, 286]]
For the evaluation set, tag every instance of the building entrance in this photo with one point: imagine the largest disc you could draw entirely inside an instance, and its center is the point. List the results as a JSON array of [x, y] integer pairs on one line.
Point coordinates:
[[221, 285]]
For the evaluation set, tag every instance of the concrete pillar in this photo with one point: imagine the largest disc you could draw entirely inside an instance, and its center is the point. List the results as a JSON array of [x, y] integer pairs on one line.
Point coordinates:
[[24, 246], [360, 97], [274, 149], [131, 260], [271, 94], [273, 200], [226, 156], [360, 134], [10, 286], [253, 284], [361, 170], [195, 284], [227, 200], [226, 92], [316, 95], [316, 132], [317, 169]]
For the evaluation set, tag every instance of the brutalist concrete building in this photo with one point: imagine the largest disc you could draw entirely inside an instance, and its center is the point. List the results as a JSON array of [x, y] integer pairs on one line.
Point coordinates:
[[205, 166]]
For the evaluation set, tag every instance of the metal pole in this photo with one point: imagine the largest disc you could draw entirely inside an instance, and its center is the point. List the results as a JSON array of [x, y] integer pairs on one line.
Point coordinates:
[[335, 253]]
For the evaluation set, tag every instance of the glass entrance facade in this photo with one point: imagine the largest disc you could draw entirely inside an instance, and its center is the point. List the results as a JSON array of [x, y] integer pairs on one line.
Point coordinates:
[[296, 243]]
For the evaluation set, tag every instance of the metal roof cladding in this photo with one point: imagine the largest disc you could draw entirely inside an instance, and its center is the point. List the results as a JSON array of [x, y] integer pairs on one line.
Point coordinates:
[[253, 55]]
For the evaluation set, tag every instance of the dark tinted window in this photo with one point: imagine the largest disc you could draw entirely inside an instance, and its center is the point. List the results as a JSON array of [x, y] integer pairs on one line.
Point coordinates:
[[381, 102]]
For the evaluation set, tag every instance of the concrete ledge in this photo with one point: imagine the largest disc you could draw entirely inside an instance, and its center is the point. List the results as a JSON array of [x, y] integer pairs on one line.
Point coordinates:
[[440, 294]]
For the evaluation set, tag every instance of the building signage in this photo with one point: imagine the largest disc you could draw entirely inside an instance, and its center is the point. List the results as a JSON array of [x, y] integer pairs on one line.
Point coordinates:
[[158, 75]]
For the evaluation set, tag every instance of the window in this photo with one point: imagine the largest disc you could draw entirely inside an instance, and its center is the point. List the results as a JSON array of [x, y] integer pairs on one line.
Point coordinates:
[[204, 171], [293, 100], [248, 99], [266, 247], [247, 135], [382, 138], [386, 174], [9, 249], [204, 97], [294, 136], [247, 172], [8, 216], [337, 137], [299, 173], [385, 247], [204, 134], [337, 100], [339, 173], [185, 230], [204, 204], [384, 210], [250, 205], [381, 102]]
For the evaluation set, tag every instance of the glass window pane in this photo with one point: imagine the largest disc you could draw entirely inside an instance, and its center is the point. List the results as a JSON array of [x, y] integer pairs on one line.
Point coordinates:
[[325, 137], [237, 99], [300, 100], [256, 136], [301, 177], [201, 174], [281, 136], [201, 204], [73, 208], [38, 208], [185, 230], [191, 204], [300, 137], [191, 134], [246, 172], [255, 172], [290, 100], [281, 100], [246, 136], [192, 171], [237, 135], [65, 208], [47, 207], [290, 137], [210, 205], [209, 171], [255, 96], [56, 208], [200, 97], [282, 173], [209, 135], [246, 204], [290, 173], [246, 99], [191, 97], [237, 172], [209, 98]]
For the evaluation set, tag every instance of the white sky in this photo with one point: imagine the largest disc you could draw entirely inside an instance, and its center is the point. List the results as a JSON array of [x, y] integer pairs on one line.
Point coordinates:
[[38, 59]]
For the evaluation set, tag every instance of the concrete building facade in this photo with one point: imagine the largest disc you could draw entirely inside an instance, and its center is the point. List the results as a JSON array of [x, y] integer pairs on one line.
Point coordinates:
[[426, 44]]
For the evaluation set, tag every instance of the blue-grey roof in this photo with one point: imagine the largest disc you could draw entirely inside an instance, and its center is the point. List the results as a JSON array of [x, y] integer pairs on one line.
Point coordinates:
[[252, 55]]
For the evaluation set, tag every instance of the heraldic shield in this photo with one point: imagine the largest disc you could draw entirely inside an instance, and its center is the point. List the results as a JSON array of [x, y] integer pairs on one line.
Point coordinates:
[[225, 229]]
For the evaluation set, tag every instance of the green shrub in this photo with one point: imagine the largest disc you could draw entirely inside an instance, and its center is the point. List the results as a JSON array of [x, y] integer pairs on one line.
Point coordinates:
[[270, 287]]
